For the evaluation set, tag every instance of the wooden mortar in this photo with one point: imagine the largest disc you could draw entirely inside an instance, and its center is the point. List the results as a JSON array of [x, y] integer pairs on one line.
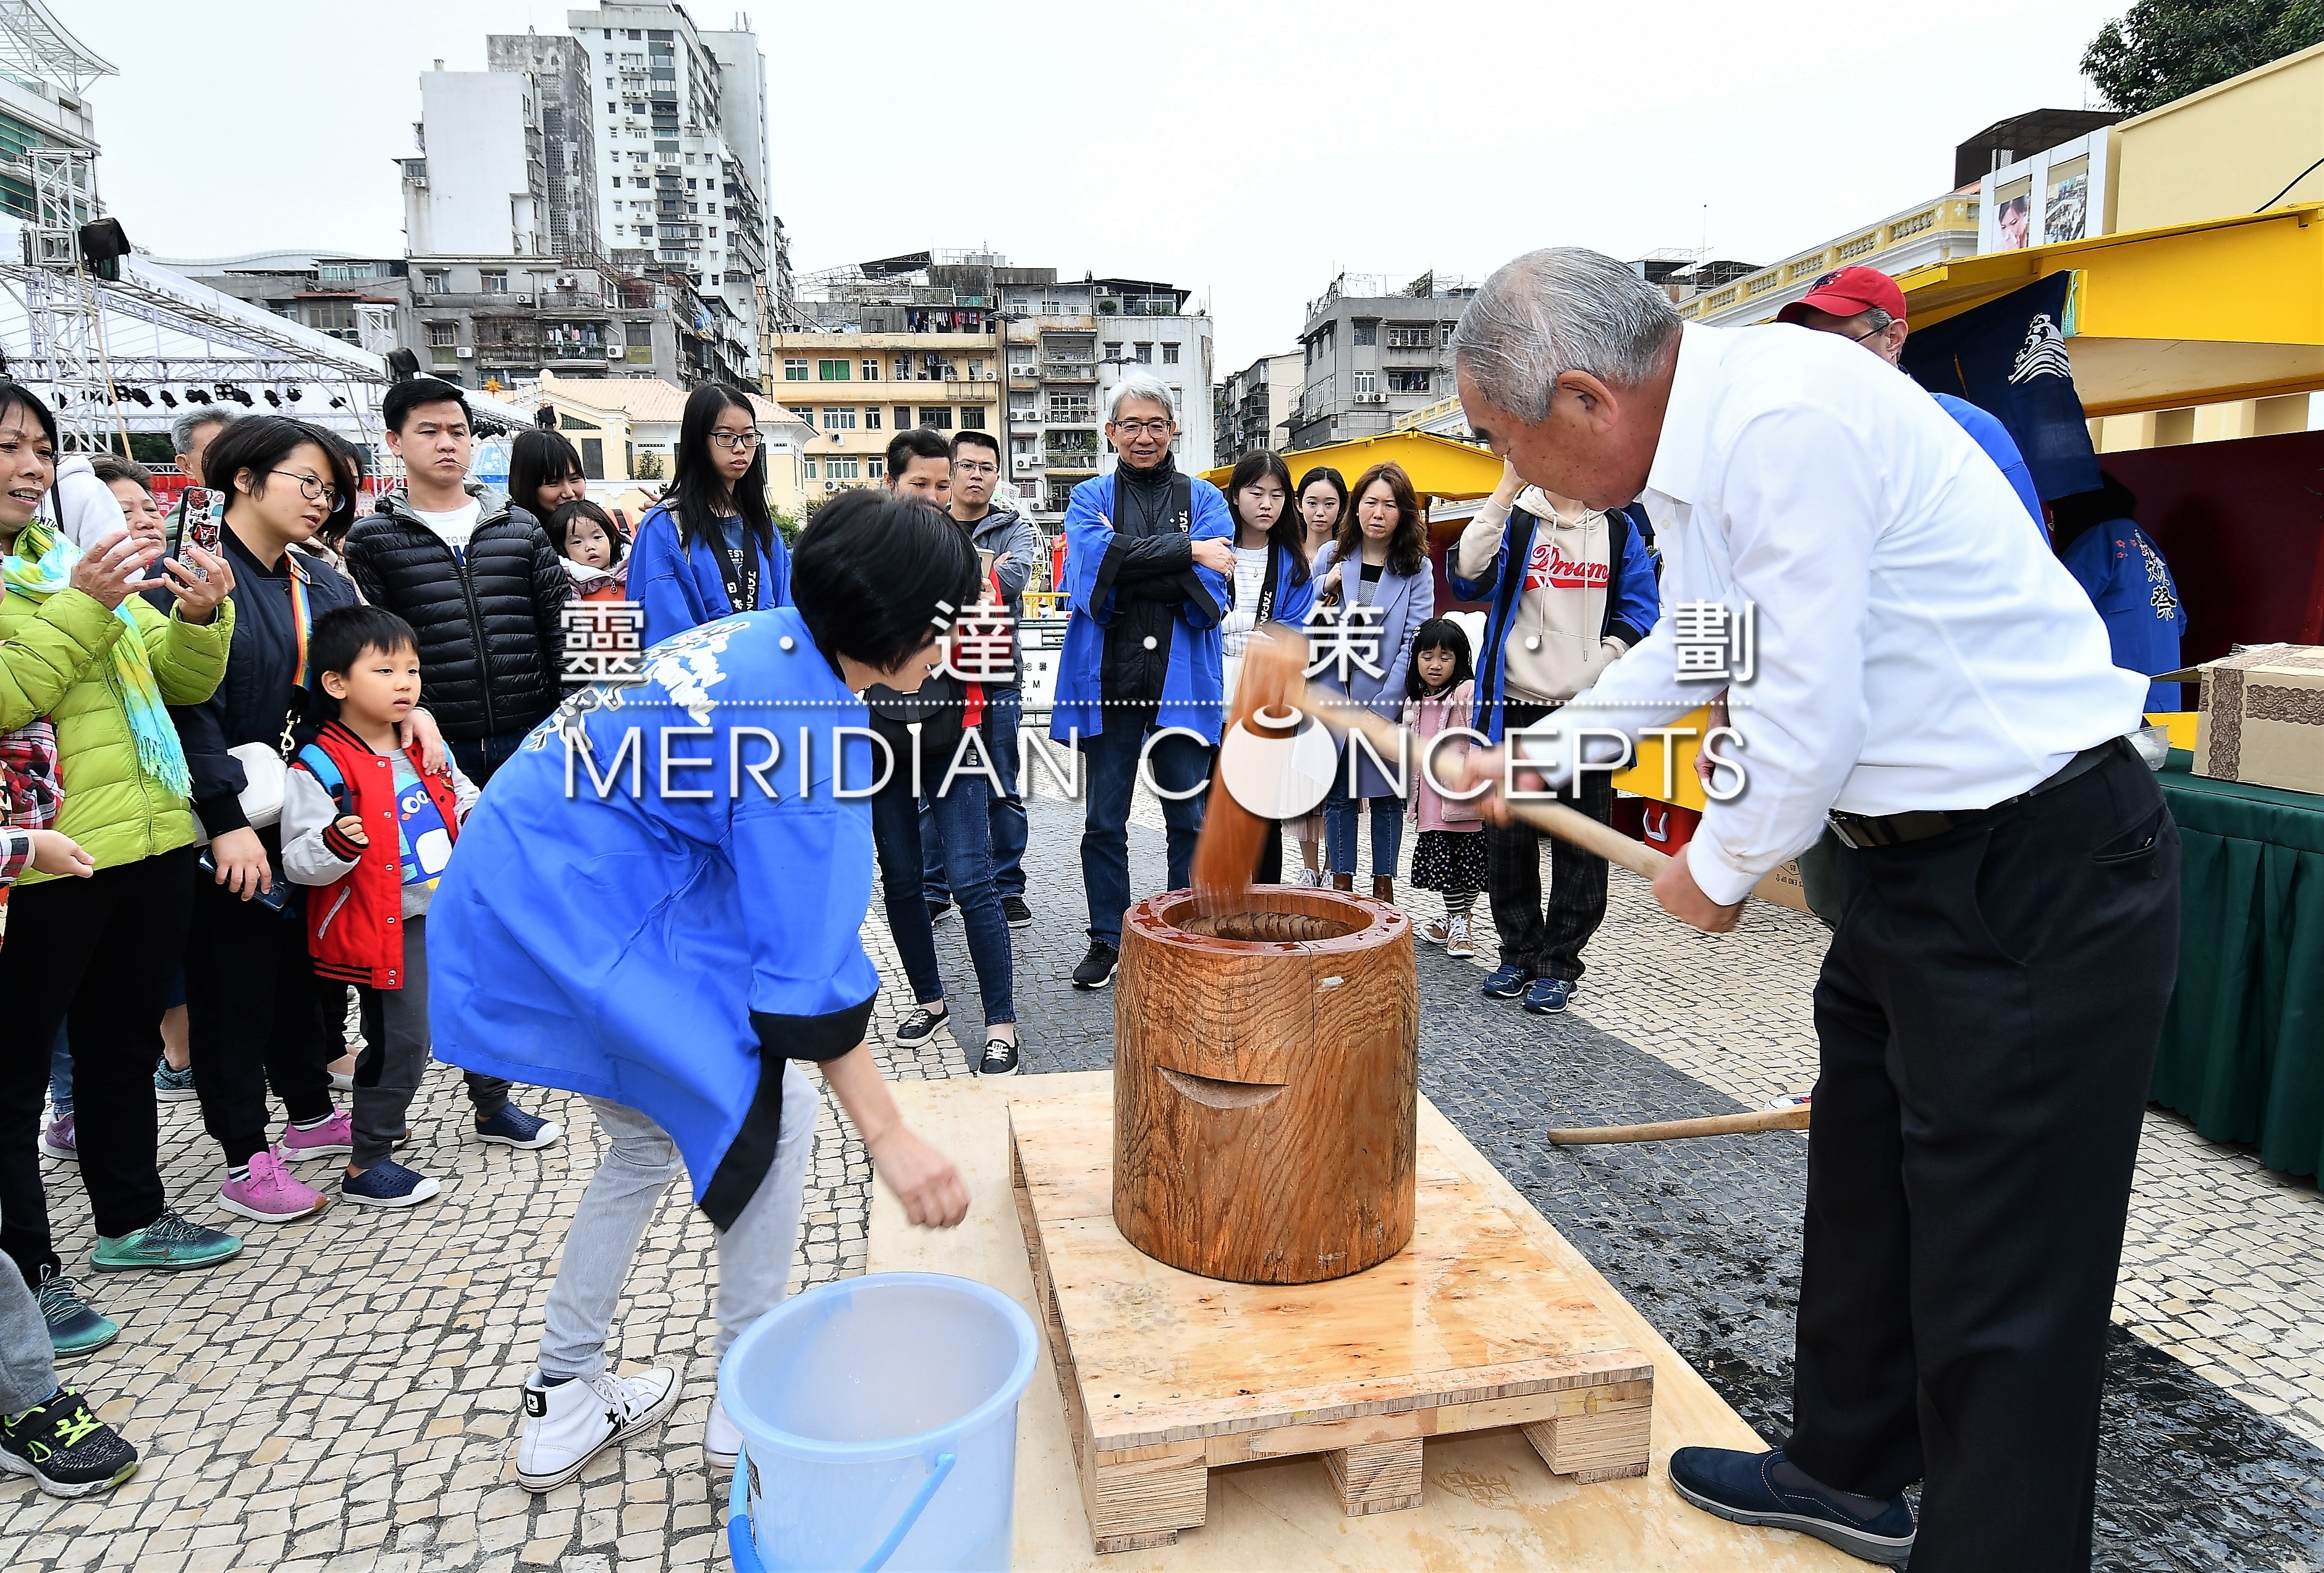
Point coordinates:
[[1266, 1091]]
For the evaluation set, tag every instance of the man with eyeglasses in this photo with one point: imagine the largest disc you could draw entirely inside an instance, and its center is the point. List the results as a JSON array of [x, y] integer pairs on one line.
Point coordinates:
[[472, 572], [1864, 305], [1014, 546], [1141, 679]]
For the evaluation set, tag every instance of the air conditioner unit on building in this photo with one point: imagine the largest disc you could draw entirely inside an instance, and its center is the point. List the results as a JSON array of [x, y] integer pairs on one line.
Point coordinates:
[[465, 352], [1371, 398], [524, 301], [612, 351], [568, 281], [831, 485]]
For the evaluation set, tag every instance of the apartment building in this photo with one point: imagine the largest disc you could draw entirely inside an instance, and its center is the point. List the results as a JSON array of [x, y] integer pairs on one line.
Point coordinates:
[[1255, 407], [1369, 354], [557, 68], [365, 302], [679, 114]]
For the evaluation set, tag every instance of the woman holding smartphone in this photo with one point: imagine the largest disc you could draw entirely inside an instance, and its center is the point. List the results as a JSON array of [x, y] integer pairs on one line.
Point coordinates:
[[708, 549], [78, 645]]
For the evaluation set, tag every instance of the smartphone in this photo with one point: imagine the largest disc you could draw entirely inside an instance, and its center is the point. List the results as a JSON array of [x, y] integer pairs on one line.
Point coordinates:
[[202, 518], [276, 898]]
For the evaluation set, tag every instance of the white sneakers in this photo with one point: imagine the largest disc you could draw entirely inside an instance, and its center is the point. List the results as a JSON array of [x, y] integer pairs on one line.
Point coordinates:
[[567, 1425], [1309, 879], [721, 1441], [1452, 932]]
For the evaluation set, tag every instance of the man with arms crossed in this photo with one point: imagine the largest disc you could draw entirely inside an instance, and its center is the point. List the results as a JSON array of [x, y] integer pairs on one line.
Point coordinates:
[[1932, 679]]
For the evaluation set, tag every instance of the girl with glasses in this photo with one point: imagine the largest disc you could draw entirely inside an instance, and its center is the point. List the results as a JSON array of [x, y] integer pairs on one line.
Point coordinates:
[[708, 549]]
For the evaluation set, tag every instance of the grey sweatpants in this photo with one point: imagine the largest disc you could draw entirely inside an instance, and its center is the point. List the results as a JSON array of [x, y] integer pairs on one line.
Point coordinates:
[[27, 1370], [754, 1256]]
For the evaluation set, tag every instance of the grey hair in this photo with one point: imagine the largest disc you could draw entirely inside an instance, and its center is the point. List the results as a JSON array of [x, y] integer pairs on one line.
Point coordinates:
[[1561, 309], [190, 422], [1880, 320], [1139, 385]]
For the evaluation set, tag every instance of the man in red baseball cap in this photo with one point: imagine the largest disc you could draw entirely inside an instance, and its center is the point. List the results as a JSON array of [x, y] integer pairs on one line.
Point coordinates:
[[1862, 304]]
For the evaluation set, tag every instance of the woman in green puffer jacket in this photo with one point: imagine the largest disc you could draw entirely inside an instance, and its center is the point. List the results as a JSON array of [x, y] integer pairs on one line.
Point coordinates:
[[78, 645]]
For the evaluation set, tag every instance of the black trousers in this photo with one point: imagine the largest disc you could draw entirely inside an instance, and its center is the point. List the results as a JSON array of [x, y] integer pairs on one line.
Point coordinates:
[[251, 1000], [98, 954], [1987, 1016], [1547, 941]]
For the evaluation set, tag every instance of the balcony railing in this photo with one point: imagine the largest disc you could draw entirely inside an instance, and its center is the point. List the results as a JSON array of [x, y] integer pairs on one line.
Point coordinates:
[[585, 351], [1072, 415], [1069, 371]]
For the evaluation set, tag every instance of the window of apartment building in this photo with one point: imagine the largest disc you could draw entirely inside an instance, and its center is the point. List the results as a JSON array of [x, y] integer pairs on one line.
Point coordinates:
[[903, 418], [872, 416], [840, 469], [593, 458], [1443, 333], [870, 368], [831, 370], [1365, 382], [1113, 351], [1364, 332], [1403, 381], [809, 469], [839, 417], [443, 334], [972, 418], [936, 417], [876, 469], [1169, 354], [494, 282], [1143, 354], [795, 369], [435, 282]]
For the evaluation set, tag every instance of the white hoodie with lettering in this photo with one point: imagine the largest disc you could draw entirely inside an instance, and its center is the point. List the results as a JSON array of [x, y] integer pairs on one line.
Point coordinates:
[[1553, 647]]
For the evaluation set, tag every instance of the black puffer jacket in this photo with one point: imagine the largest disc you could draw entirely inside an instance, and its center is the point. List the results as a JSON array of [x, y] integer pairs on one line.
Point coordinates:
[[491, 646]]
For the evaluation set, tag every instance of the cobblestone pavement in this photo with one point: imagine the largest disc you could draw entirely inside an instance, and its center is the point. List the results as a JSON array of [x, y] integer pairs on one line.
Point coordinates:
[[342, 1395]]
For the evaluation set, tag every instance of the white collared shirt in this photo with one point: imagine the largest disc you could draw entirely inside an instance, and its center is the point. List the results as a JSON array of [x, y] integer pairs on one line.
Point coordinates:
[[1918, 648]]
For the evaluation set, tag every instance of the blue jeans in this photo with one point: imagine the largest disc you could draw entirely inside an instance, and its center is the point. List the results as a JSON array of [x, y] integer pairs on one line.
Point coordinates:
[[959, 817], [1004, 707], [1177, 764], [60, 1077], [480, 756], [1339, 829]]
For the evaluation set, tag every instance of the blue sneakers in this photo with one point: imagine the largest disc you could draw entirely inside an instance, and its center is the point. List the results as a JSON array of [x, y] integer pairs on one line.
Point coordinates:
[[388, 1184], [1742, 1488], [1548, 996], [513, 1127], [1507, 982]]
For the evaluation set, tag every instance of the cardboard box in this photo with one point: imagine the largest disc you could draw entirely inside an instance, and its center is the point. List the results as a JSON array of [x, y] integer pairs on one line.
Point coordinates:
[[2261, 718], [1782, 886]]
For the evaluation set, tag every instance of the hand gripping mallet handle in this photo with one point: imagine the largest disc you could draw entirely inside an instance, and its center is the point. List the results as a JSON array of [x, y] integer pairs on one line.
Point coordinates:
[[1565, 824]]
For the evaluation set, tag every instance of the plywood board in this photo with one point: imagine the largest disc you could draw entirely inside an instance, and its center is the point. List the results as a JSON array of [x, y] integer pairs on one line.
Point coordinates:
[[1487, 1502]]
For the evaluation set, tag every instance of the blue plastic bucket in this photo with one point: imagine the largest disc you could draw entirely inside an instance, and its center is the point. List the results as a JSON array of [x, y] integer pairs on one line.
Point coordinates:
[[879, 1422]]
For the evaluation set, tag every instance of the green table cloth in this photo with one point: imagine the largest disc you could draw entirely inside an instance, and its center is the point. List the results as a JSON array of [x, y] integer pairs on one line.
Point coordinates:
[[2242, 1043]]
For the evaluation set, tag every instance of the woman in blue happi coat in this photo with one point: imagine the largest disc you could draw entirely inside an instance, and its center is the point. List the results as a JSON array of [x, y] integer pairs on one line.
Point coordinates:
[[709, 547], [658, 908]]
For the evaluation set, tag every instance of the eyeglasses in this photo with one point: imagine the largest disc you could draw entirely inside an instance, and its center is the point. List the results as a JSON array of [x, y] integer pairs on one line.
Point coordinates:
[[1143, 428], [313, 488], [975, 467], [744, 440]]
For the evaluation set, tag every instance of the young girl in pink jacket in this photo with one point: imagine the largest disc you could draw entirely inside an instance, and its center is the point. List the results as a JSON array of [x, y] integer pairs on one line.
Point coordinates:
[[1449, 858]]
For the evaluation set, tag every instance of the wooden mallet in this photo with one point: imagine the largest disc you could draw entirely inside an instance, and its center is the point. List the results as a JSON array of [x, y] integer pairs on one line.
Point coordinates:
[[1792, 1116], [1274, 678]]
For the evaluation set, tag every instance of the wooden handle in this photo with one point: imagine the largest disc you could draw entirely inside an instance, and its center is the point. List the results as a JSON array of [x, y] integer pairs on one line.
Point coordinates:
[[1794, 1117], [1565, 824]]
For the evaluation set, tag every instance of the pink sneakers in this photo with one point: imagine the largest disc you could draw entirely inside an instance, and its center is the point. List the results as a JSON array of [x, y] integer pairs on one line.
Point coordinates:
[[334, 1138], [57, 1141], [270, 1195]]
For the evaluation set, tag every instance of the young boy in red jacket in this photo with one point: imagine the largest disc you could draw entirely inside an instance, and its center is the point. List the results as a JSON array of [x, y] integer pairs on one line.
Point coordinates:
[[366, 821]]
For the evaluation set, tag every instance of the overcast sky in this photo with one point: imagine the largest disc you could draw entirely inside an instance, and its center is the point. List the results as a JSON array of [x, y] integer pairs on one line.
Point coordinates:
[[1247, 151]]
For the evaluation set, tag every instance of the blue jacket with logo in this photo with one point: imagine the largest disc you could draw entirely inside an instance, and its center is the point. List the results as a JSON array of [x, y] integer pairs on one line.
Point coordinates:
[[1994, 437], [681, 588], [2123, 570], [1194, 684], [644, 909]]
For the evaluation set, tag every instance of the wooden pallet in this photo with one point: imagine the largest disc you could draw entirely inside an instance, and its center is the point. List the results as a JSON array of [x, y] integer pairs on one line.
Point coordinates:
[[1167, 1375]]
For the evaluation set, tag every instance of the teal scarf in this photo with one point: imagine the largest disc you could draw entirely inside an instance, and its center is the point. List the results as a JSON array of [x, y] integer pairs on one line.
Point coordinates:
[[40, 565]]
